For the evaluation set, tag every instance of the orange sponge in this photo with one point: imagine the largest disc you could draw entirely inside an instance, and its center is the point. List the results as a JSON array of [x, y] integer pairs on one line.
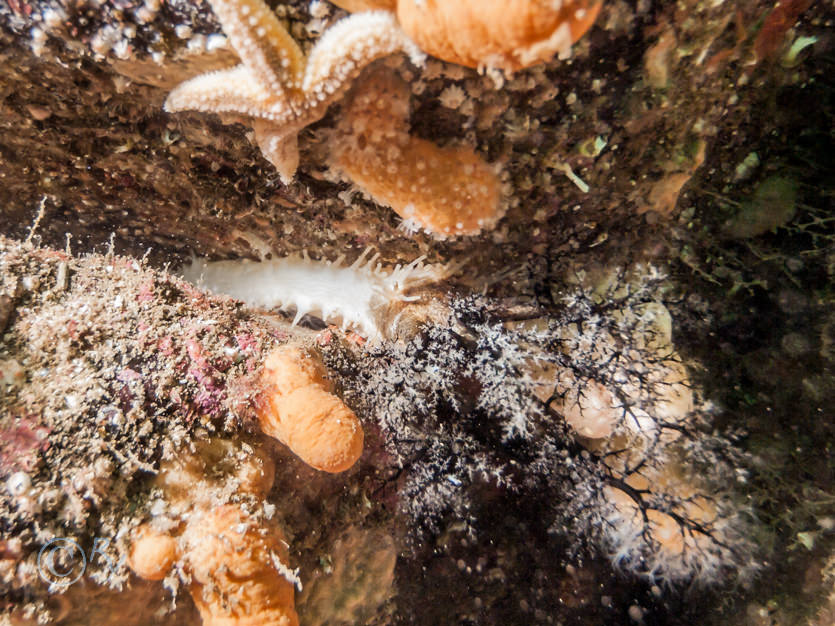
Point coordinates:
[[236, 569], [505, 34], [289, 367], [152, 553], [299, 410]]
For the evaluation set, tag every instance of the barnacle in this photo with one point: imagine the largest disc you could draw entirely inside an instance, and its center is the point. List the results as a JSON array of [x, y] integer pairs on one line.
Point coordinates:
[[446, 191], [299, 410]]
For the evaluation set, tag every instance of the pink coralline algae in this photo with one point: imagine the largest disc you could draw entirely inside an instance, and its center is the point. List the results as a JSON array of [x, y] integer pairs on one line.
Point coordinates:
[[20, 443]]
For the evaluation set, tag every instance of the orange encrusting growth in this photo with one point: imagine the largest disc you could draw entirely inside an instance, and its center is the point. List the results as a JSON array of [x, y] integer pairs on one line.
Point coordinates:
[[235, 578], [232, 556], [152, 553], [505, 34], [298, 409], [446, 191]]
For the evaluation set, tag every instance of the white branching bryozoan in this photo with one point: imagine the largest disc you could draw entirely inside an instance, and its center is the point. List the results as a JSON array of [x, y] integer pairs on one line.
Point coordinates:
[[592, 403]]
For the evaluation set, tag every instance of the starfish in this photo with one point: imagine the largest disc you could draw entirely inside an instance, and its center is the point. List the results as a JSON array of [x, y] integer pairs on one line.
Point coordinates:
[[447, 191], [276, 89]]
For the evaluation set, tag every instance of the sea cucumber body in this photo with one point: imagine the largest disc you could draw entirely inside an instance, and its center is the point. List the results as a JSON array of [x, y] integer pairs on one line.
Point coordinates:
[[354, 296]]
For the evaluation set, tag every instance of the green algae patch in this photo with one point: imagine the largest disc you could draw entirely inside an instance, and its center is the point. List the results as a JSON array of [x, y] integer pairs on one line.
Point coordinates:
[[772, 205]]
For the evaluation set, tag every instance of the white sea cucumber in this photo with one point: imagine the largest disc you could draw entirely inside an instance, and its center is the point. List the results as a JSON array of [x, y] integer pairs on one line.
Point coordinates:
[[364, 296]]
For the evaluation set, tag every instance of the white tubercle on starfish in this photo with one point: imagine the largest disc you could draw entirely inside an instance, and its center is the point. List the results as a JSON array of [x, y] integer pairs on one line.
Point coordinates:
[[263, 44], [351, 44]]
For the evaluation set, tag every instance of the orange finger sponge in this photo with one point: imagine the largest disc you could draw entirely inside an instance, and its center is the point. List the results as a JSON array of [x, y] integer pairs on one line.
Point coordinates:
[[236, 569], [299, 410], [318, 427], [504, 34], [152, 553], [290, 367]]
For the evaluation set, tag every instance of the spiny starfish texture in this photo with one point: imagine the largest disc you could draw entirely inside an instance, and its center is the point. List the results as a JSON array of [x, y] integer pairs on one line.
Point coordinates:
[[276, 88], [446, 191], [367, 5]]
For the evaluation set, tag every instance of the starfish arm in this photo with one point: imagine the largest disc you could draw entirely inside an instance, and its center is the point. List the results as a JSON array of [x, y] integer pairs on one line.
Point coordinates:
[[262, 43], [226, 91], [347, 47], [354, 6], [280, 145]]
